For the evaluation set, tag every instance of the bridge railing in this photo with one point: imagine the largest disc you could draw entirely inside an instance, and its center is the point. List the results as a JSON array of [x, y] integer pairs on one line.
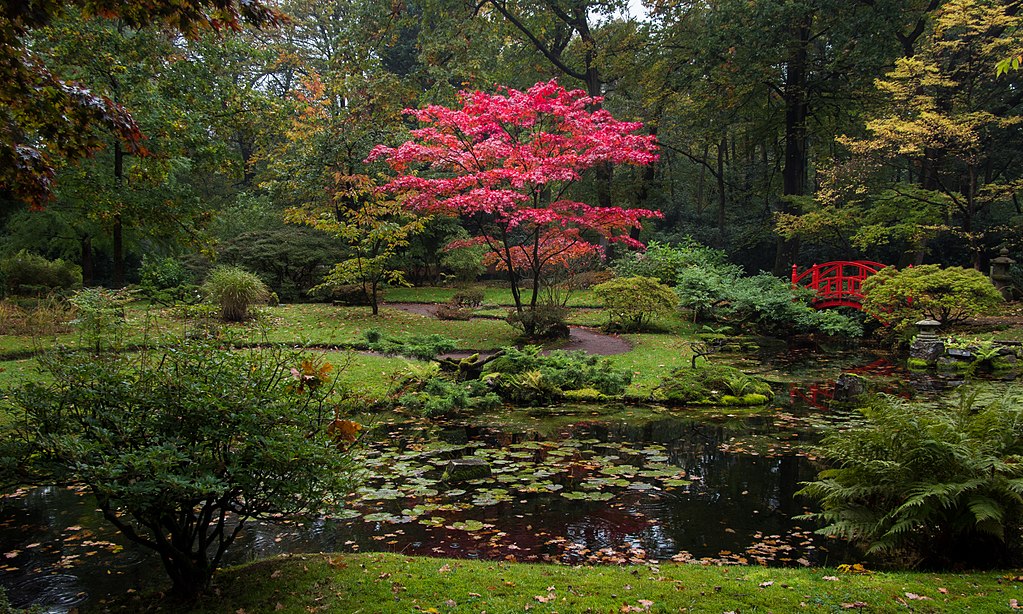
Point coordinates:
[[836, 283]]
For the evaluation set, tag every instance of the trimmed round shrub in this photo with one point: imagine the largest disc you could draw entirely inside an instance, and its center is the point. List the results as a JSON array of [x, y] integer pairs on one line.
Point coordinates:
[[632, 301], [234, 290]]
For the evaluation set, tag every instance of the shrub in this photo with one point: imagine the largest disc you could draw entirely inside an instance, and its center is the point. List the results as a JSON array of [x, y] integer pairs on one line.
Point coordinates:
[[938, 486], [703, 287], [166, 281], [466, 262], [101, 317], [632, 301], [902, 297], [666, 262], [290, 259], [711, 385], [771, 306], [471, 299], [423, 389], [234, 290], [545, 321], [26, 274], [352, 295], [461, 305], [183, 446], [562, 370], [423, 347]]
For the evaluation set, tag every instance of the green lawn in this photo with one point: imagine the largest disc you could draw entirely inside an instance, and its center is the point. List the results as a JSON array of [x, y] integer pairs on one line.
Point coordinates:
[[491, 296], [384, 583]]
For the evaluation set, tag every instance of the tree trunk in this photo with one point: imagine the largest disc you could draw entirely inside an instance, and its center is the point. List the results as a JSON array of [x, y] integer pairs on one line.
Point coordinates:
[[118, 229], [796, 109], [88, 269], [721, 198]]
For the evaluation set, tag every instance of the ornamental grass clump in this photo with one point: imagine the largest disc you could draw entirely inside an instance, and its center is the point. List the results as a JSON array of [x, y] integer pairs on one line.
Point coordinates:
[[926, 485], [234, 290]]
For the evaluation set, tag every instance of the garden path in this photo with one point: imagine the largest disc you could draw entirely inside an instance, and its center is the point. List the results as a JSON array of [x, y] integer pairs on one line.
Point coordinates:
[[588, 340]]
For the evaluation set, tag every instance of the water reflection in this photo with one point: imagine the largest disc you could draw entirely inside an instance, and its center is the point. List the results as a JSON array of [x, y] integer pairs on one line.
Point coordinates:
[[734, 505]]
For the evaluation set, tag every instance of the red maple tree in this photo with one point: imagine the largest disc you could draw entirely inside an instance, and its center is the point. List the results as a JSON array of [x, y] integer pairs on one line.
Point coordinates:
[[505, 163]]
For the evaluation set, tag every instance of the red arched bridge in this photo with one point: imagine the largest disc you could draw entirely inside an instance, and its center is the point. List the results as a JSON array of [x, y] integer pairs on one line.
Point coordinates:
[[837, 283]]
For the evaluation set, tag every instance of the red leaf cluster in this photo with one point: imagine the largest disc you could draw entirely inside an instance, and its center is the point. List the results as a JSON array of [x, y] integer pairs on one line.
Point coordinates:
[[509, 158]]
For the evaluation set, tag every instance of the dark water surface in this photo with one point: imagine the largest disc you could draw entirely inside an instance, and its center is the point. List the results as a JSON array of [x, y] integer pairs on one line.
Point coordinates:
[[569, 484]]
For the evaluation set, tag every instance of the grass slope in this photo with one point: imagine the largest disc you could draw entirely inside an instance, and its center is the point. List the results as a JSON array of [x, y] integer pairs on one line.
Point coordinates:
[[385, 583]]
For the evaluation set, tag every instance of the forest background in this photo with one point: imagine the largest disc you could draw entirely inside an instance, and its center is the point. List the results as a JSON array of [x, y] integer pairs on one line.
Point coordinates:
[[790, 131]]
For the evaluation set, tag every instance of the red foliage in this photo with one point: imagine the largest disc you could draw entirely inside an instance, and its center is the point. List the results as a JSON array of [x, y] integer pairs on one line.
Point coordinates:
[[505, 161]]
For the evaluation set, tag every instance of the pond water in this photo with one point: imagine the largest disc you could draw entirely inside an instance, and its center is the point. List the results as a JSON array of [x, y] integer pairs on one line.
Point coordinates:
[[567, 484]]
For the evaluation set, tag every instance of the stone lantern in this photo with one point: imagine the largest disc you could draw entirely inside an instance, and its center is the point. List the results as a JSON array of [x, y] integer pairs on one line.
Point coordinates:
[[927, 346], [1000, 273]]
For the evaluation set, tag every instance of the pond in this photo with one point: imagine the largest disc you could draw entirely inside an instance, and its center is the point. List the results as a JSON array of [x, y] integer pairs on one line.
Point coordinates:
[[572, 484]]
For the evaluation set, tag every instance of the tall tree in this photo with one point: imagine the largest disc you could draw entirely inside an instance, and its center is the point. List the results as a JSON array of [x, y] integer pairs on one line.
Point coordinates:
[[941, 151], [45, 118], [506, 163]]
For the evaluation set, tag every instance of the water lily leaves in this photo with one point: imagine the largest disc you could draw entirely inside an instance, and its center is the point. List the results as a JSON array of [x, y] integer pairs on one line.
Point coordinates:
[[588, 496], [625, 470], [385, 517], [468, 525], [599, 483], [385, 494], [345, 514], [676, 483], [422, 491]]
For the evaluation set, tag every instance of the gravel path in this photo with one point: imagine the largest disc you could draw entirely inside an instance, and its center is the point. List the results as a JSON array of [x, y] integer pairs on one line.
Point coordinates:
[[580, 338]]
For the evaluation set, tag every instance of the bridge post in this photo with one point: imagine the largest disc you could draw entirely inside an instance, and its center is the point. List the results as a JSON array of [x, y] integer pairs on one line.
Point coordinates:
[[795, 274]]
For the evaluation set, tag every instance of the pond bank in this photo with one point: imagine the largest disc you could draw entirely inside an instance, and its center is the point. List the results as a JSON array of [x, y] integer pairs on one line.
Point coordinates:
[[396, 583]]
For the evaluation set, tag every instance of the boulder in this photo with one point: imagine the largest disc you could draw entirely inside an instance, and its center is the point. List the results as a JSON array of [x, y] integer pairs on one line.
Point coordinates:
[[465, 469]]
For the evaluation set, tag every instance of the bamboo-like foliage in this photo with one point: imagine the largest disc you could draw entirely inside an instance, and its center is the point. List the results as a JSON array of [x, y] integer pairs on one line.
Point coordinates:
[[234, 290], [926, 483]]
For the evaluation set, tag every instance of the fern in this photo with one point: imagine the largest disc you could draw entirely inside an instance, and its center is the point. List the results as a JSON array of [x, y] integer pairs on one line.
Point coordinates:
[[923, 481]]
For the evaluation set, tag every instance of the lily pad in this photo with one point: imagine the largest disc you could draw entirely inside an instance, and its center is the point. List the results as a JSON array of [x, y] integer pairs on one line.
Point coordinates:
[[468, 525]]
